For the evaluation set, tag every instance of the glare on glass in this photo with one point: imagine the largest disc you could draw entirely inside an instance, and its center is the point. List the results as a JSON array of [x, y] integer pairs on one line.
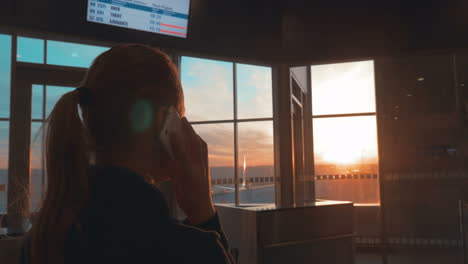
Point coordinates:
[[5, 75], [220, 140], [345, 140], [346, 146], [30, 50], [208, 89], [72, 54], [53, 94], [254, 91], [37, 101], [36, 166], [343, 88], [256, 162], [4, 139]]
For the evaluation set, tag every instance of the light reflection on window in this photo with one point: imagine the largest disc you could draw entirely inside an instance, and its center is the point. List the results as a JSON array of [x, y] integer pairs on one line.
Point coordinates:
[[208, 89]]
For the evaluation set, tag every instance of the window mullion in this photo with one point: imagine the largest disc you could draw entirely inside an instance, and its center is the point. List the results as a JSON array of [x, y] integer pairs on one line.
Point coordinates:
[[345, 115], [45, 51], [236, 147], [43, 133]]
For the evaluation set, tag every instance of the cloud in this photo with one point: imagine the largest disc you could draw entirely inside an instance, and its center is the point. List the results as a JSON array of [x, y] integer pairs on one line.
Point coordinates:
[[220, 140], [254, 91], [255, 142], [208, 89]]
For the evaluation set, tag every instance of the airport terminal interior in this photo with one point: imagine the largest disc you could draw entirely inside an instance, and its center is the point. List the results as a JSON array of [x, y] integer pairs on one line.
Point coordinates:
[[337, 130]]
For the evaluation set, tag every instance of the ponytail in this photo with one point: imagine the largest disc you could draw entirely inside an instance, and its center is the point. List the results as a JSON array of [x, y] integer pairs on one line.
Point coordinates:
[[66, 160]]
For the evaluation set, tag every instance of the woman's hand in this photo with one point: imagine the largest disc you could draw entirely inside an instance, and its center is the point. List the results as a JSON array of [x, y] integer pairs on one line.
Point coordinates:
[[192, 184]]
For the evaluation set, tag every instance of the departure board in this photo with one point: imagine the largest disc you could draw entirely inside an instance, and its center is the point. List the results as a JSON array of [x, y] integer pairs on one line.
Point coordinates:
[[168, 17]]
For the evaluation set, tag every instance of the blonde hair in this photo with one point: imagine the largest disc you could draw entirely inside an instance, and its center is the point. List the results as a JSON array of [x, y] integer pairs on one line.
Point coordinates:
[[117, 79]]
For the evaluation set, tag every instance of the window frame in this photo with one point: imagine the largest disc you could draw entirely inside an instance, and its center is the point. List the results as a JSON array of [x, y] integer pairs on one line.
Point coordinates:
[[361, 114], [235, 121]]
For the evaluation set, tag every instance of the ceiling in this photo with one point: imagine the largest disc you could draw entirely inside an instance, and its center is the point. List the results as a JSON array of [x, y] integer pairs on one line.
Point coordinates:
[[289, 31]]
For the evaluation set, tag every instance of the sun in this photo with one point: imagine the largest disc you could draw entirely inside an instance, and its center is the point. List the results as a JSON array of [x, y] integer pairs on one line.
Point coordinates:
[[347, 140]]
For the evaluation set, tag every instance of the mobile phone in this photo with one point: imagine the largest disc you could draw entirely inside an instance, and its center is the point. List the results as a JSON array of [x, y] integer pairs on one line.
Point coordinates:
[[172, 125]]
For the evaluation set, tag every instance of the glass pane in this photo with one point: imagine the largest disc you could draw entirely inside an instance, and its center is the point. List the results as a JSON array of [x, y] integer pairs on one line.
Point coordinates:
[[36, 165], [5, 75], [256, 162], [208, 89], [343, 88], [346, 159], [30, 50], [53, 94], [72, 54], [220, 140], [254, 91], [4, 138], [37, 101]]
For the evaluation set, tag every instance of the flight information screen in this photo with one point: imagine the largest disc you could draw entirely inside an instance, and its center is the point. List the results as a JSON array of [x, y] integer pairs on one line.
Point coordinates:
[[168, 17]]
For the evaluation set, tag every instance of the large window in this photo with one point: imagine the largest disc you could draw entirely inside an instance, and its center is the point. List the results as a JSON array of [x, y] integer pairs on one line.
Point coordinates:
[[5, 75], [230, 106], [345, 132]]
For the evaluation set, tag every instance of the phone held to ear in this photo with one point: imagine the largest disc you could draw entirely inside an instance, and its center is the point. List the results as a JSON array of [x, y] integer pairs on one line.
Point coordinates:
[[172, 125]]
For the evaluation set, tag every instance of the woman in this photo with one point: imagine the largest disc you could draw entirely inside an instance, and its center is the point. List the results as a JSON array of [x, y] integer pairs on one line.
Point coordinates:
[[103, 156]]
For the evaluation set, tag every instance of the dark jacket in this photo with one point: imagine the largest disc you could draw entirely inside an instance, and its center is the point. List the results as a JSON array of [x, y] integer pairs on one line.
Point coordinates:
[[127, 221]]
